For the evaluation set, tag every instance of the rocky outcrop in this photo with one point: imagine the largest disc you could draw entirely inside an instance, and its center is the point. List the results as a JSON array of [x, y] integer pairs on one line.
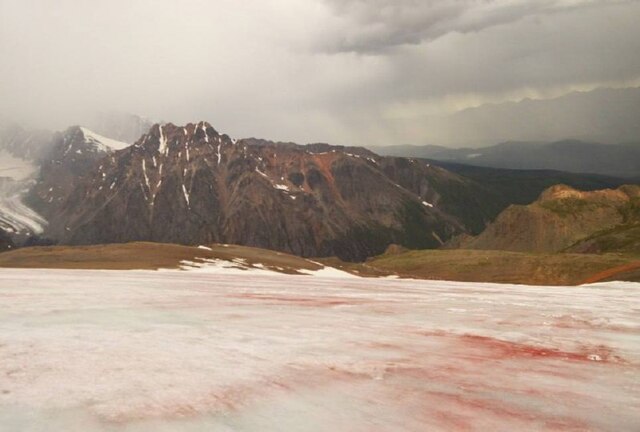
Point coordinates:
[[559, 220]]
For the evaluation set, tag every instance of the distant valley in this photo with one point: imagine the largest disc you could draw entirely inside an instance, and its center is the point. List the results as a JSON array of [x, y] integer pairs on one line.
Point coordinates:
[[621, 160]]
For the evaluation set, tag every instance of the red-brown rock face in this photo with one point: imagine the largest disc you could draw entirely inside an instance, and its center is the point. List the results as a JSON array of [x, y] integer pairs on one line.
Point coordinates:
[[193, 185]]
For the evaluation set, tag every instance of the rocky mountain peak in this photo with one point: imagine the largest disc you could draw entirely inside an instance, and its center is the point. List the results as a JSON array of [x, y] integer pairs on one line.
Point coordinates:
[[164, 139]]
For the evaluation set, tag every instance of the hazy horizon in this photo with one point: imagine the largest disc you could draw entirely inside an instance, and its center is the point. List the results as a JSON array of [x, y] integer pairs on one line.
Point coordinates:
[[354, 72]]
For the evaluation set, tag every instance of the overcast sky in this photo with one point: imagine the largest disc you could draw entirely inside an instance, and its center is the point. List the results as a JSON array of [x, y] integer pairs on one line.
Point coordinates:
[[359, 72]]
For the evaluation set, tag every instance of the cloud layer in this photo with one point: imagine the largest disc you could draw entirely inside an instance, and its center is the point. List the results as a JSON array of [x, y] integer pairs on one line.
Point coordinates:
[[377, 25], [344, 71]]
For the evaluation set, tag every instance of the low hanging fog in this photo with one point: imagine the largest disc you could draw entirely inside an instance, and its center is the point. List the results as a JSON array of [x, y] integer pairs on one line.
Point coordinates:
[[359, 72]]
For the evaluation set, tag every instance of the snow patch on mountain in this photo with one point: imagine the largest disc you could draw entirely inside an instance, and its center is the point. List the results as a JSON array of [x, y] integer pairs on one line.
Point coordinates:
[[186, 194], [162, 148], [103, 143]]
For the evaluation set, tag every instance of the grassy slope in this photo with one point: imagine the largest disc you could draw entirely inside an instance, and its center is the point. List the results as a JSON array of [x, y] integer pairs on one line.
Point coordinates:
[[144, 256], [459, 265], [496, 266], [622, 238]]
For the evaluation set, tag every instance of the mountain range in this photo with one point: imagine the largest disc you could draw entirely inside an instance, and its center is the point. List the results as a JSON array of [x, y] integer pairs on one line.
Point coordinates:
[[194, 185], [620, 160]]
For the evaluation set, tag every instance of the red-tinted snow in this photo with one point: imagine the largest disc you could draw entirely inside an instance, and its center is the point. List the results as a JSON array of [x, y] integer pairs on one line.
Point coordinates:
[[172, 350]]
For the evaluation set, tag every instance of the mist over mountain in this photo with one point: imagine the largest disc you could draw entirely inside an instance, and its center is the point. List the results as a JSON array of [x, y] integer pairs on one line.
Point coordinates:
[[355, 73], [120, 126], [603, 115]]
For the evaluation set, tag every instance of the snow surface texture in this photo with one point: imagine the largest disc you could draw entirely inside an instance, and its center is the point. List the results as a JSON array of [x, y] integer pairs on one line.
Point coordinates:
[[194, 351]]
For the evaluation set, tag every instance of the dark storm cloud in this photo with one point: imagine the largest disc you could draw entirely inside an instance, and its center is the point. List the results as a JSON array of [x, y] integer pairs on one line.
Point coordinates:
[[376, 25], [347, 72]]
